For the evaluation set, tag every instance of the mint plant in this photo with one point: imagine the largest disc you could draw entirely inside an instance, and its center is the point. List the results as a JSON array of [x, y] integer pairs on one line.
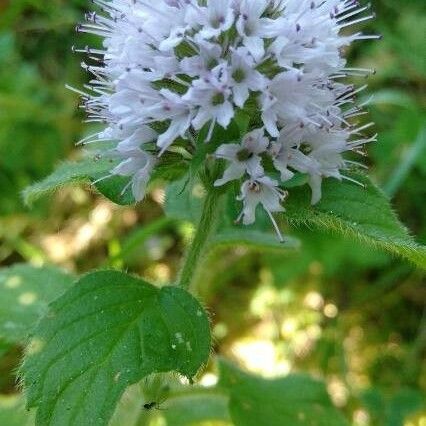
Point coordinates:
[[244, 110]]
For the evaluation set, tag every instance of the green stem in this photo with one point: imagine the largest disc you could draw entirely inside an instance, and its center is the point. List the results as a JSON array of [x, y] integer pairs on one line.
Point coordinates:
[[204, 230]]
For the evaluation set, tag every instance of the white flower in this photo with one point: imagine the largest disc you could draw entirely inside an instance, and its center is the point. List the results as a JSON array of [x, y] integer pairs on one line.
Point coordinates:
[[214, 19], [208, 57], [211, 94], [140, 136], [244, 157], [244, 77], [170, 68], [265, 191], [251, 26], [138, 164]]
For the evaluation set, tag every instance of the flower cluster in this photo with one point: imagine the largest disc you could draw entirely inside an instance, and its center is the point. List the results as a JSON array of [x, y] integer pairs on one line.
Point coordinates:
[[169, 68]]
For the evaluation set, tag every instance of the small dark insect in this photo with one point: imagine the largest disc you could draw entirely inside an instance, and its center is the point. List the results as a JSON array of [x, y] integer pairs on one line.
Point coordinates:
[[151, 405]]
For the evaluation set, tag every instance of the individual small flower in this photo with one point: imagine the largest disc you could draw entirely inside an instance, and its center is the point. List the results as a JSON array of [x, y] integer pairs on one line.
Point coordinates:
[[209, 56], [211, 95], [251, 26], [265, 191], [138, 164], [142, 135], [244, 157], [214, 19], [244, 76]]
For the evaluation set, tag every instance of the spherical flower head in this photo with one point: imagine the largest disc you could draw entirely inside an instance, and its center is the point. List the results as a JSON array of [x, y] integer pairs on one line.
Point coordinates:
[[173, 69]]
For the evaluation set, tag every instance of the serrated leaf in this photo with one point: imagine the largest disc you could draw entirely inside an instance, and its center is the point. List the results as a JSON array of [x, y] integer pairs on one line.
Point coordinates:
[[295, 400], [66, 174], [25, 293], [363, 213], [115, 188], [106, 333]]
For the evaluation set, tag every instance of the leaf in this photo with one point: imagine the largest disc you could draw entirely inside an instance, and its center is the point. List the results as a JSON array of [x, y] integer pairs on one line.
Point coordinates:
[[394, 409], [13, 413], [407, 162], [106, 333], [116, 189], [295, 400], [403, 404], [128, 410], [363, 213], [196, 407], [179, 406], [184, 200], [65, 174], [252, 238], [25, 294], [94, 169]]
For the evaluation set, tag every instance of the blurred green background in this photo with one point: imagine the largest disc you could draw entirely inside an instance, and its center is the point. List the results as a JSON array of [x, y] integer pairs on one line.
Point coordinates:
[[354, 316]]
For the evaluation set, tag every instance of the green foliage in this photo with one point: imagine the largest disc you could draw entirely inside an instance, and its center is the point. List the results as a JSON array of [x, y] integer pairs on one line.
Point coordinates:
[[254, 239], [108, 332], [392, 410], [184, 201], [26, 291], [66, 174], [13, 413], [96, 170], [363, 213], [197, 407], [295, 400], [377, 336], [116, 189]]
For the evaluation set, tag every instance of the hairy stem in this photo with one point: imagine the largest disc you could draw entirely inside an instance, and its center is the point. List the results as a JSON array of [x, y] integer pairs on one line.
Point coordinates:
[[204, 230]]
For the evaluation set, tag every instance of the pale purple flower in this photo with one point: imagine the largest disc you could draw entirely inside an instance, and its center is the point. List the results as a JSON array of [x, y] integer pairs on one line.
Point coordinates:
[[187, 66]]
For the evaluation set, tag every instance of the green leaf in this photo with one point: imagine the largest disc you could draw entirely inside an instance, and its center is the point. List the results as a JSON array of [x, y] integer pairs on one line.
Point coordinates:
[[108, 332], [94, 169], [196, 407], [118, 190], [295, 400], [184, 200], [13, 413], [403, 404], [363, 213], [394, 409], [407, 162], [253, 239], [128, 410], [67, 173], [113, 187], [25, 293]]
